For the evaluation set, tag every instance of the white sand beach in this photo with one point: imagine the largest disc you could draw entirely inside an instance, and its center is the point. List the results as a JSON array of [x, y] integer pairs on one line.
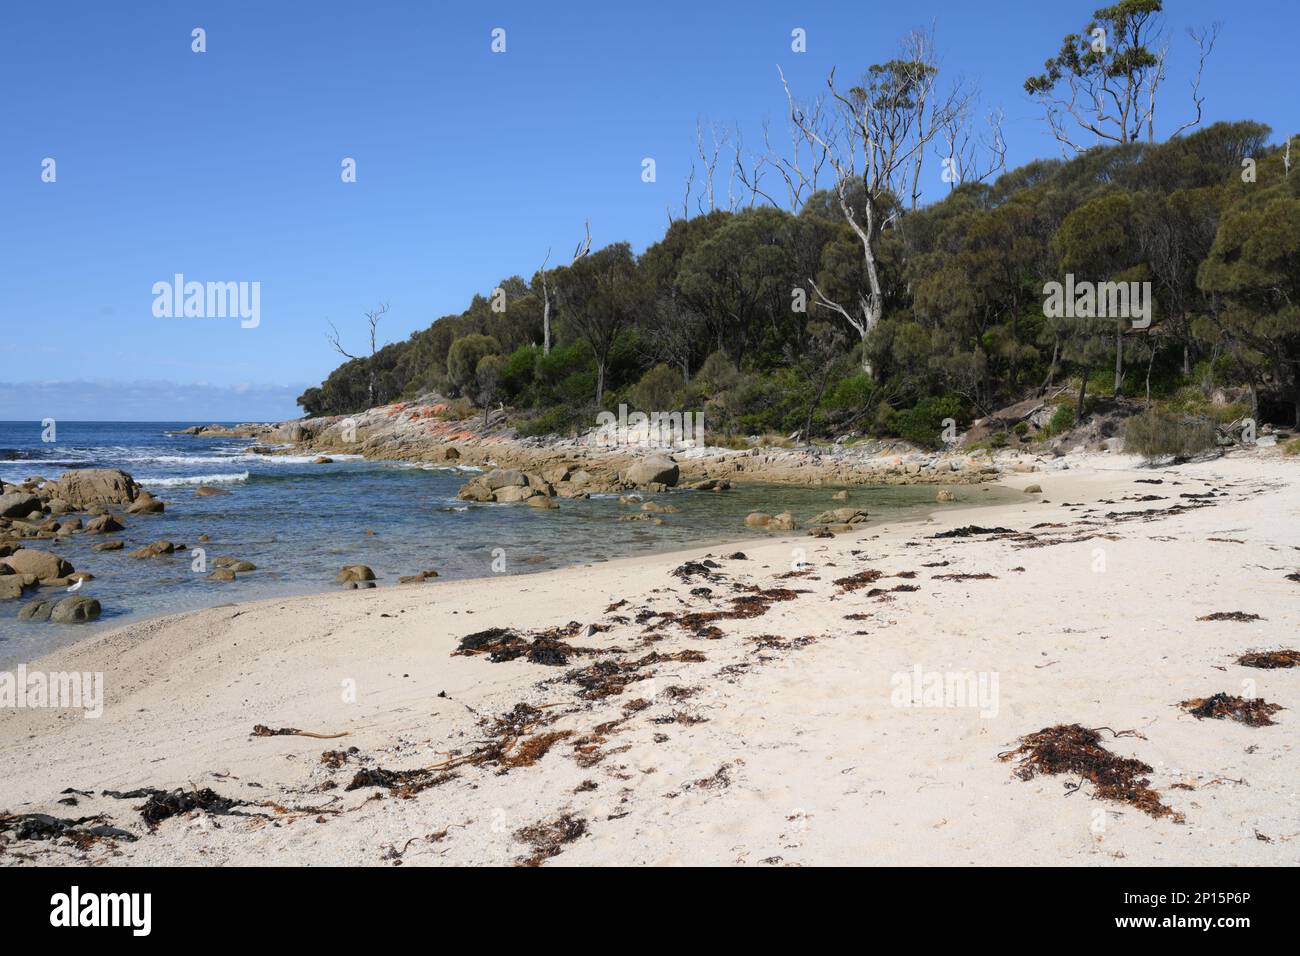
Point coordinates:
[[779, 739]]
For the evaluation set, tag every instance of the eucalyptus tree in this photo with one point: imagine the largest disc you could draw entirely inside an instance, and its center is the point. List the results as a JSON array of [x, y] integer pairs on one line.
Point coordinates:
[[886, 123], [602, 296], [1104, 84], [1253, 274]]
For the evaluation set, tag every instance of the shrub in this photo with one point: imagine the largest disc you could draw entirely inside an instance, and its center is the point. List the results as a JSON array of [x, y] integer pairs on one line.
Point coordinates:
[[1062, 420], [851, 394], [660, 390], [1292, 447], [923, 424], [517, 376], [1159, 434], [717, 373], [578, 388], [560, 420], [463, 359], [456, 410]]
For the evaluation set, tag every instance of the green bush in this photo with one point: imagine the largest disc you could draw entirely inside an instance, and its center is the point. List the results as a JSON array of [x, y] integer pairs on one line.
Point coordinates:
[[1062, 420], [517, 376], [578, 388], [660, 390], [851, 393], [463, 359], [559, 420], [922, 424], [1159, 434], [717, 373]]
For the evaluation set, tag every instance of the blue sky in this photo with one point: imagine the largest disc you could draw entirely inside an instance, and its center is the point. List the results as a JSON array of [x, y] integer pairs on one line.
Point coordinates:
[[225, 166]]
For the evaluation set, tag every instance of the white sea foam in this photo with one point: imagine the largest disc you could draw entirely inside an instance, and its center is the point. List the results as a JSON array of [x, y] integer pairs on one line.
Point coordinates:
[[431, 466], [196, 479]]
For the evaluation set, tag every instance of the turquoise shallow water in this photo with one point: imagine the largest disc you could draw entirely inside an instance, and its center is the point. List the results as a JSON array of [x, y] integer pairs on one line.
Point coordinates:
[[299, 522]]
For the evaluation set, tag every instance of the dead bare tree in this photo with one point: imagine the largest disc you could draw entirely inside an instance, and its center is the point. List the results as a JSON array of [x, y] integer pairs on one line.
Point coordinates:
[[751, 179], [705, 200], [583, 248], [546, 306], [972, 157], [1204, 38], [372, 317], [686, 197], [879, 142], [802, 168]]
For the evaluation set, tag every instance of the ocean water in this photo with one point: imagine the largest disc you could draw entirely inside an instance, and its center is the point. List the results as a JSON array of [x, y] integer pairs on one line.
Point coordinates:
[[299, 522]]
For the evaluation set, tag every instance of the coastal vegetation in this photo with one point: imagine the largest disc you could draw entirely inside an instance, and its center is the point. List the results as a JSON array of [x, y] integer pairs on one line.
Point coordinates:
[[854, 309]]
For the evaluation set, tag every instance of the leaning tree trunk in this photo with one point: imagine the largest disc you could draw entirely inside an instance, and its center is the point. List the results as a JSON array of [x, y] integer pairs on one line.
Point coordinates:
[[546, 322], [1119, 357], [1083, 388], [1051, 371]]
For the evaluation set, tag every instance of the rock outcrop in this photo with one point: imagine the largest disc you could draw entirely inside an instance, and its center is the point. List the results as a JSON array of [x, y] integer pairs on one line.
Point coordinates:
[[44, 565], [93, 486]]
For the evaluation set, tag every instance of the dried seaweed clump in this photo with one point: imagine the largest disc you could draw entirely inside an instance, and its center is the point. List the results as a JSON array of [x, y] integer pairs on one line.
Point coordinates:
[[42, 826], [1270, 659], [1254, 712], [163, 804], [1230, 616], [1073, 749], [605, 678], [502, 644], [860, 580], [402, 783], [548, 837], [971, 530], [534, 748]]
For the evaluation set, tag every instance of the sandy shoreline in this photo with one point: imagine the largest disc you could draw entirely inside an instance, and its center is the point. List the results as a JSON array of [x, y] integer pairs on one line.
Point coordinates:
[[753, 745]]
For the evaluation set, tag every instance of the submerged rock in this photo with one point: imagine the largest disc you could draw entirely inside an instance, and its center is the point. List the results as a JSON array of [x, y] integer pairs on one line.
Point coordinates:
[[11, 587], [75, 609], [782, 522], [38, 610], [354, 574], [841, 516], [103, 524], [418, 578], [145, 504]]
